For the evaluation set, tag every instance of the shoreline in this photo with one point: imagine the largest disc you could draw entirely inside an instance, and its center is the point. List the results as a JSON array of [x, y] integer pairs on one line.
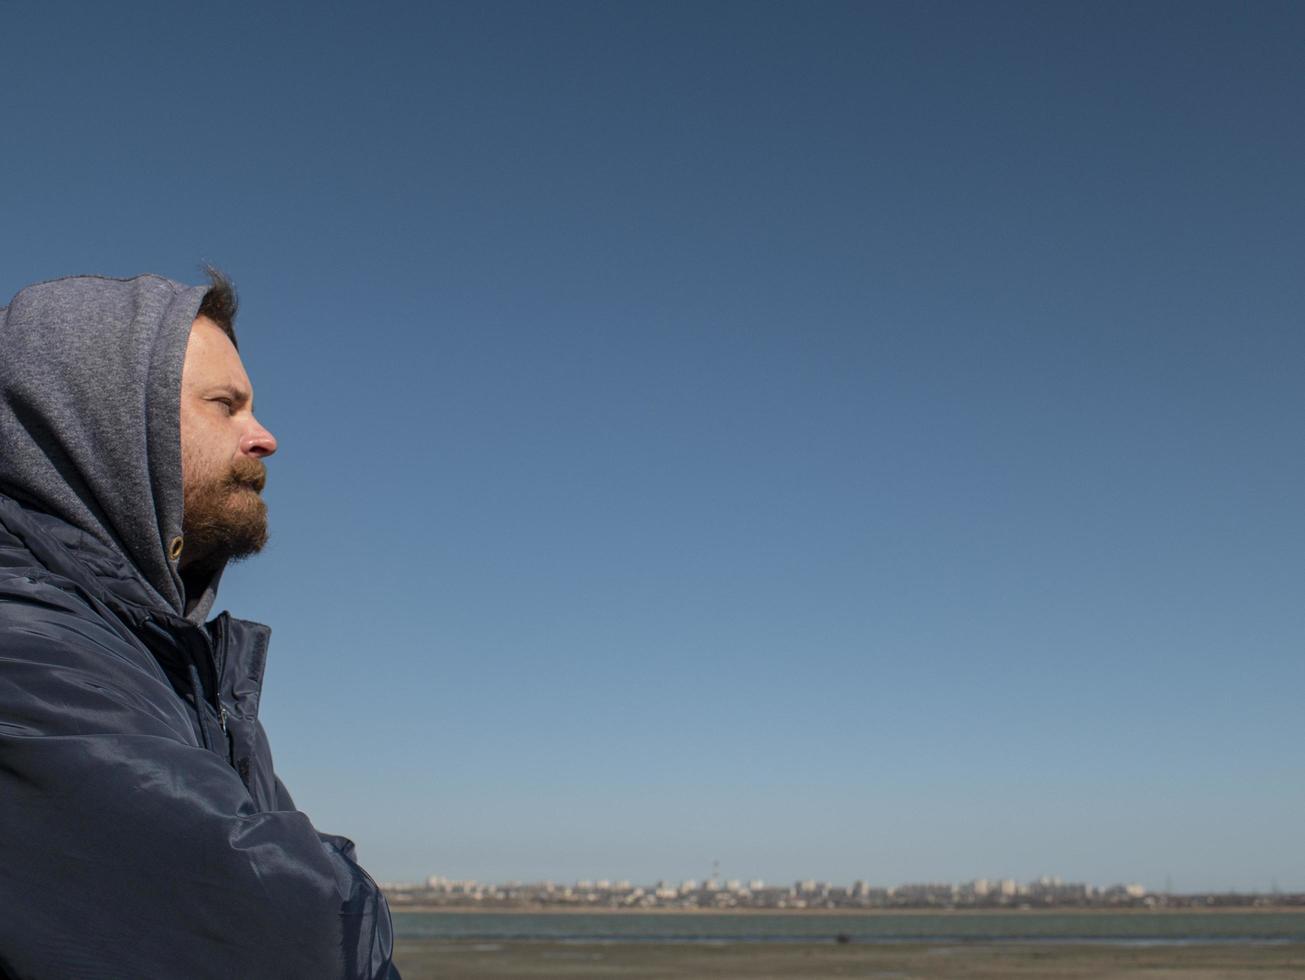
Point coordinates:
[[499, 959]]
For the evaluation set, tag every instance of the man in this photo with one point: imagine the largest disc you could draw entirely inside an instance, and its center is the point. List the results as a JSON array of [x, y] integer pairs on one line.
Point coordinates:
[[143, 832]]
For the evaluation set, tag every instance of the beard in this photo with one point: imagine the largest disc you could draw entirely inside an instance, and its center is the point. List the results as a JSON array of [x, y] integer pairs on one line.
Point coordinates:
[[224, 518]]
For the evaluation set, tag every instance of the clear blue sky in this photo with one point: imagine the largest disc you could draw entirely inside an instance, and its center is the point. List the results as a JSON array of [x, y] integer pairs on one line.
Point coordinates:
[[841, 440]]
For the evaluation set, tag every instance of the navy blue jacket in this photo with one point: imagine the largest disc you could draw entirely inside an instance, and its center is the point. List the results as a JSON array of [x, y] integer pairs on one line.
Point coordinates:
[[143, 832]]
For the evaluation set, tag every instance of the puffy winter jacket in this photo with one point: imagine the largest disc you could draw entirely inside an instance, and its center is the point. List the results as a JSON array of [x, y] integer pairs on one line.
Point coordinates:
[[143, 832]]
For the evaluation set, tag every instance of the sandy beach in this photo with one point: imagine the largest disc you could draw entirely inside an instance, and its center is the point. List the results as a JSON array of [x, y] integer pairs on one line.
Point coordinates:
[[430, 959]]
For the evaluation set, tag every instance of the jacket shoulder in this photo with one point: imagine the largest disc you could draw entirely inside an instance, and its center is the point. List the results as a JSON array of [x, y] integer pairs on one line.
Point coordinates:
[[72, 668]]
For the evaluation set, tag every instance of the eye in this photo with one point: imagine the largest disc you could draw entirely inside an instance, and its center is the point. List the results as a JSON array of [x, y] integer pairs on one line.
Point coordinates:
[[226, 403]]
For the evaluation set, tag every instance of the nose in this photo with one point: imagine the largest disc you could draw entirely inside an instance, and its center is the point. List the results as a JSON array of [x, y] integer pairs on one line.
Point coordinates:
[[257, 442]]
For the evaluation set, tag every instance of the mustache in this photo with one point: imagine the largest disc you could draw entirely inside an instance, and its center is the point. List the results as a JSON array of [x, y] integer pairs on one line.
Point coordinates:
[[249, 473]]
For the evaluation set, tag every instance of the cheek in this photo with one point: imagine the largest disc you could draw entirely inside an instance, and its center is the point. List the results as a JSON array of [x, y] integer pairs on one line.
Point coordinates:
[[189, 438], [187, 461], [200, 458], [190, 443]]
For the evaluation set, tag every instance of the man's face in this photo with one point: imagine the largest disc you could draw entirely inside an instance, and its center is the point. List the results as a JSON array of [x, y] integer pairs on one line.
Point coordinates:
[[222, 448]]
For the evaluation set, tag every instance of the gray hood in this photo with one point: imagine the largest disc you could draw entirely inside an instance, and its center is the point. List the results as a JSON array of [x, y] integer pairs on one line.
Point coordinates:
[[90, 405]]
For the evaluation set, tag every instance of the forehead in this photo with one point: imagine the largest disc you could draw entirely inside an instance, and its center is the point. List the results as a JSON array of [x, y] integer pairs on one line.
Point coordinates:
[[211, 358]]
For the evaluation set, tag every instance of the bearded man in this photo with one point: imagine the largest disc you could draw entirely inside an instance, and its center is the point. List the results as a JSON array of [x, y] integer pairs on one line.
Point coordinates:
[[143, 832]]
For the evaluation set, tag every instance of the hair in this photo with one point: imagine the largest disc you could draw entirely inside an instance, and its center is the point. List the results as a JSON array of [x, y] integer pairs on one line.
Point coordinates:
[[220, 303]]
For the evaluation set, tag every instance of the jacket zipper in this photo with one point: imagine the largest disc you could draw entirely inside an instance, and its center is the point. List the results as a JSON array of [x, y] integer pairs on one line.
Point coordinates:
[[218, 645]]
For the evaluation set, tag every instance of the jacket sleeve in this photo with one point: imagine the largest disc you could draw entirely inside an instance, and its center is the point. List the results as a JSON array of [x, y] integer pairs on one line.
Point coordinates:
[[129, 850]]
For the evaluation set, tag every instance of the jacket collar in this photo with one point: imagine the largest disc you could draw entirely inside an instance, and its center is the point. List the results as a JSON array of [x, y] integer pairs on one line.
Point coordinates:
[[238, 647]]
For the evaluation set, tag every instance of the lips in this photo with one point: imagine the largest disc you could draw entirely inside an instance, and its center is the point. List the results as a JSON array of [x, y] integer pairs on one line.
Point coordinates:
[[248, 474]]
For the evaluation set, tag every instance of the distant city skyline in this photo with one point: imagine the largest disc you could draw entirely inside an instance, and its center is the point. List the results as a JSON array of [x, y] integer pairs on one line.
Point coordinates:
[[715, 882], [1168, 884], [1046, 891]]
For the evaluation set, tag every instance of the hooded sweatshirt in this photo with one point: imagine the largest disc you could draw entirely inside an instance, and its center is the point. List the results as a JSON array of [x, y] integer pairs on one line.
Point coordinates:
[[90, 396], [143, 832]]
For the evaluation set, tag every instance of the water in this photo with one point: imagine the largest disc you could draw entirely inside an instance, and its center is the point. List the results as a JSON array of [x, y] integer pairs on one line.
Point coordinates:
[[1132, 928]]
